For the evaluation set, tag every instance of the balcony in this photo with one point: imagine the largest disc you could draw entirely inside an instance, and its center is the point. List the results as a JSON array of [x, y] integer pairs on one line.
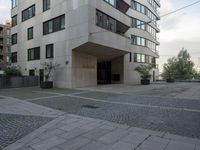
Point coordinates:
[[120, 5], [117, 12]]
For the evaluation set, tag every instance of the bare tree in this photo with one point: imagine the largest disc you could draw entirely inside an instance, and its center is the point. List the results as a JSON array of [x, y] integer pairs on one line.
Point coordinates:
[[49, 67]]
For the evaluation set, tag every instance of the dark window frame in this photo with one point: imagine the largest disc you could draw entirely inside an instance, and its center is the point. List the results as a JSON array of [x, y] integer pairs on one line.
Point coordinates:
[[56, 25], [35, 52], [51, 46], [27, 14], [45, 5], [14, 57], [14, 20], [30, 36], [14, 39]]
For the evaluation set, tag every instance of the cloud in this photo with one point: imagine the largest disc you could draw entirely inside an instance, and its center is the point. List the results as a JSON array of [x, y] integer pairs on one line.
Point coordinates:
[[4, 10], [177, 31]]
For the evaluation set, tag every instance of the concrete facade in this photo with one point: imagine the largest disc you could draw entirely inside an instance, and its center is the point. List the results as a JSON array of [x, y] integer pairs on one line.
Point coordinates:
[[82, 44], [5, 43]]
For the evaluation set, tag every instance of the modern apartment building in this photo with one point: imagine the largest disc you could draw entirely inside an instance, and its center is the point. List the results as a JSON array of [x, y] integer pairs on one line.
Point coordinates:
[[5, 43], [94, 41]]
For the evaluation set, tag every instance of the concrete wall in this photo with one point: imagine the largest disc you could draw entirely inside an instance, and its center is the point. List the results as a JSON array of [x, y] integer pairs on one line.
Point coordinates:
[[78, 69]]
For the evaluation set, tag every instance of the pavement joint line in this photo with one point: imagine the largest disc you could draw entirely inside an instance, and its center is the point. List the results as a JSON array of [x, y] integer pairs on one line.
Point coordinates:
[[142, 142], [40, 98], [139, 105]]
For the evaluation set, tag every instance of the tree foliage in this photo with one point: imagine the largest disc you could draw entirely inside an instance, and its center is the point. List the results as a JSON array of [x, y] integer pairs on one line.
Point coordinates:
[[180, 67], [144, 71], [12, 71]]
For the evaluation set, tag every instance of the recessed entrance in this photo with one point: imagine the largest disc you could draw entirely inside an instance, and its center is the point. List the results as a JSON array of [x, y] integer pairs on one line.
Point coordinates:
[[104, 72]]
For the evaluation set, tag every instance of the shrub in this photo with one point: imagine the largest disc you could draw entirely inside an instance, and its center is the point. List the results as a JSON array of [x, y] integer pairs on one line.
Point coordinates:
[[12, 71]]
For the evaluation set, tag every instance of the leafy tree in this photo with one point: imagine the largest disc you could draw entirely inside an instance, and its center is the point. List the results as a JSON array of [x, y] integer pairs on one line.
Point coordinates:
[[12, 71], [144, 71], [180, 67]]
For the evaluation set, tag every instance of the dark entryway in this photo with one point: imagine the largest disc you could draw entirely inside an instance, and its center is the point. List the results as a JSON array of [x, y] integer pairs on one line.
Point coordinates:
[[104, 72], [41, 75]]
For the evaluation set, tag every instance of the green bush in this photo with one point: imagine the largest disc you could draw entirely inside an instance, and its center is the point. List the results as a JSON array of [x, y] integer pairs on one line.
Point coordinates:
[[12, 71], [144, 71]]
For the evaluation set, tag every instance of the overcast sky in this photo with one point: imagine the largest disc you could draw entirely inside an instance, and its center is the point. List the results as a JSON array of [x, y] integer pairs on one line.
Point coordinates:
[[177, 31]]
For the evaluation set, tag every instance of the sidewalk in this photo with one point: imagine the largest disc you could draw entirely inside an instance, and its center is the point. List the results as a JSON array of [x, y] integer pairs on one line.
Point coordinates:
[[71, 132]]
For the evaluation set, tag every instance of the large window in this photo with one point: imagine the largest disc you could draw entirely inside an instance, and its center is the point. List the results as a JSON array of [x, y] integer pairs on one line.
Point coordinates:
[[30, 33], [142, 58], [46, 5], [138, 7], [14, 39], [111, 2], [14, 57], [34, 54], [49, 51], [136, 40], [28, 13], [138, 24], [54, 25], [105, 21], [14, 3], [14, 20]]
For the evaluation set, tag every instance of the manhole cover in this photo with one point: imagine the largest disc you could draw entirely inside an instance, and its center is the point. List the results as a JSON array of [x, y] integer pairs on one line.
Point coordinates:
[[90, 106]]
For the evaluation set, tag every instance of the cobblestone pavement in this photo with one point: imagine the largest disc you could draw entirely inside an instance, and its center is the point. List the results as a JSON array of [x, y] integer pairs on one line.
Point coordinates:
[[176, 116], [14, 127], [70, 132]]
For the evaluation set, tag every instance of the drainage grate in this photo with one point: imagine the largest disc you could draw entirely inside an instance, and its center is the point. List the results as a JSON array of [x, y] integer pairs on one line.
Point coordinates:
[[90, 106]]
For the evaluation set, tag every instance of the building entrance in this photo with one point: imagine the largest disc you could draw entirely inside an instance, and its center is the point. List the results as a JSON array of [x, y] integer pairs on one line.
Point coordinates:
[[104, 72]]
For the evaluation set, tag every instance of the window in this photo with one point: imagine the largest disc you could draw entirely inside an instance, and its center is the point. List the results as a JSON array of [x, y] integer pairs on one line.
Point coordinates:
[[13, 3], [14, 39], [139, 7], [30, 33], [34, 54], [49, 51], [111, 2], [32, 72], [105, 21], [142, 58], [28, 13], [14, 57], [54, 25], [14, 20], [138, 24], [136, 40], [46, 5]]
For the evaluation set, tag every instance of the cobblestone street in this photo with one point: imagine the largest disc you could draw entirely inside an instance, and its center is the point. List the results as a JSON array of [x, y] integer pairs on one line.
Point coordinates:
[[118, 118]]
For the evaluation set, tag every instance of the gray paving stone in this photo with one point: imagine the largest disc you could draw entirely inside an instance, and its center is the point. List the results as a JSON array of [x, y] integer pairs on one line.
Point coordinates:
[[113, 136], [95, 146], [121, 146], [96, 133], [74, 144], [145, 131], [180, 146], [48, 143], [135, 138], [50, 133], [181, 138], [73, 133]]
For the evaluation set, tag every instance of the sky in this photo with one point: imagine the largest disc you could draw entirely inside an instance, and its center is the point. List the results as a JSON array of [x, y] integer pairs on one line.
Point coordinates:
[[180, 30]]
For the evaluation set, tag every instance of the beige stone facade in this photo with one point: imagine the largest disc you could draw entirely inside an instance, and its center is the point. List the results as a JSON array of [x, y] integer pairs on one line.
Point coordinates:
[[95, 45]]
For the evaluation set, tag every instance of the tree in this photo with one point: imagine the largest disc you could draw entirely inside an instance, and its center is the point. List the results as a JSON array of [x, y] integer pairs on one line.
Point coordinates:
[[180, 67], [49, 67], [144, 71], [12, 71]]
